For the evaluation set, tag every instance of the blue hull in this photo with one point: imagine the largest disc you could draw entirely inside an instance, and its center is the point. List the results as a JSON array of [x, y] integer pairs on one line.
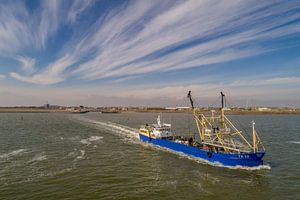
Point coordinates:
[[229, 159]]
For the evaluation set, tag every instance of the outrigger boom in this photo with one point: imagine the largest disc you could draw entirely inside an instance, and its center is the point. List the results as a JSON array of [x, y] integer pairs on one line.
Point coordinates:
[[219, 133]]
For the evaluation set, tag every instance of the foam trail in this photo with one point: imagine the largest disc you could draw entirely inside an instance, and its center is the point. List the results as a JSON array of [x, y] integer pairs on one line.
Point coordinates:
[[95, 138], [85, 141], [117, 128], [13, 153], [81, 156], [39, 157], [91, 139], [294, 142]]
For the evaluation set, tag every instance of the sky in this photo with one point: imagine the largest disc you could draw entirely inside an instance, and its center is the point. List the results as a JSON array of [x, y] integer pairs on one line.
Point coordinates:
[[149, 53]]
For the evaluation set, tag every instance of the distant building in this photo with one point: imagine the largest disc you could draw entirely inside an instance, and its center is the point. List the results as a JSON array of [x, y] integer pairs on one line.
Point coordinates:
[[178, 108], [182, 108], [263, 109], [170, 108]]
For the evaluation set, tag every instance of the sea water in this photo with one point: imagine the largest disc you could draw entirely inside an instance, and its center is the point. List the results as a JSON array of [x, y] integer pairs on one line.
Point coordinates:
[[99, 156]]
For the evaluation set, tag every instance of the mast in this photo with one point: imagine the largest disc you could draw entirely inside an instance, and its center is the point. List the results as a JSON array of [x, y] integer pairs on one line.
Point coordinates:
[[158, 121], [222, 118], [254, 137]]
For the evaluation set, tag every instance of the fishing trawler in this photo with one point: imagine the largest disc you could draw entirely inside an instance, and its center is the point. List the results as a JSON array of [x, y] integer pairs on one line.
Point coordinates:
[[219, 141]]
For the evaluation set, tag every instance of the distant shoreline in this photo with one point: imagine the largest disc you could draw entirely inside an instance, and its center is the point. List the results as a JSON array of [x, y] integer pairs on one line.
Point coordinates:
[[206, 111], [31, 110]]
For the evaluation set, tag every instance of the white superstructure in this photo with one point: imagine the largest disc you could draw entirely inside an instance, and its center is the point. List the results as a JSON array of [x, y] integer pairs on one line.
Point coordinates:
[[161, 129]]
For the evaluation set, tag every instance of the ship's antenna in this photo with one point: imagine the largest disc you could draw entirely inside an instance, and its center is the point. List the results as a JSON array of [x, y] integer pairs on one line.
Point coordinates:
[[222, 121]]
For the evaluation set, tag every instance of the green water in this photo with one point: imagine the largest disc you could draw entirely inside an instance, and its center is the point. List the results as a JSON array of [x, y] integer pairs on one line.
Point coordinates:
[[60, 156]]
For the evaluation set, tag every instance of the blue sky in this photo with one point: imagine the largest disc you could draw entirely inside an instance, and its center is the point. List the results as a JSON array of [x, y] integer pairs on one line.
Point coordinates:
[[149, 52]]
